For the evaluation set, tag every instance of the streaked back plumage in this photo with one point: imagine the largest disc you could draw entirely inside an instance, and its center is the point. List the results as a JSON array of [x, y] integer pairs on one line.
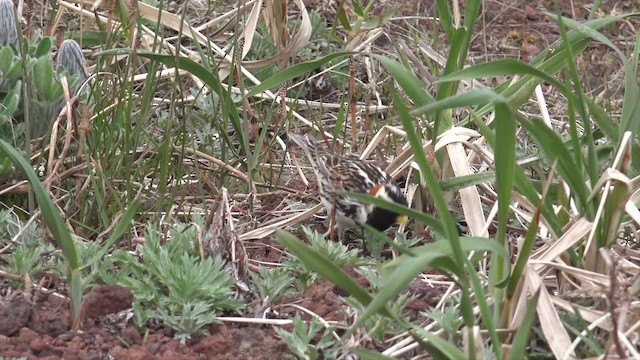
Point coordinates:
[[345, 172]]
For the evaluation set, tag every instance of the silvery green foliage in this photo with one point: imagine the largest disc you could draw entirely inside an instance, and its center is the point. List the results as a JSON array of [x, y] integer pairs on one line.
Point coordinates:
[[303, 340], [10, 70], [27, 254], [10, 84], [172, 284], [49, 95], [8, 28], [46, 79], [70, 59]]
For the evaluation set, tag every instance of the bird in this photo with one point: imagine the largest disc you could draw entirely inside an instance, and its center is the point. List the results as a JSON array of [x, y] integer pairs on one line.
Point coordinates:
[[350, 174]]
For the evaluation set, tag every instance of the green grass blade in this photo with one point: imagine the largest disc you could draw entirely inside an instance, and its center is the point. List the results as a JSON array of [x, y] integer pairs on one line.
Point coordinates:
[[448, 223], [467, 243], [340, 121], [554, 148], [50, 212], [407, 81], [438, 347], [591, 164], [401, 277], [521, 340], [428, 177], [278, 79], [76, 290], [461, 182], [56, 225], [469, 98], [123, 226], [444, 15], [444, 118], [323, 266], [434, 223], [499, 68], [370, 355], [630, 119], [505, 160], [524, 252], [605, 123], [485, 309], [522, 182], [471, 12]]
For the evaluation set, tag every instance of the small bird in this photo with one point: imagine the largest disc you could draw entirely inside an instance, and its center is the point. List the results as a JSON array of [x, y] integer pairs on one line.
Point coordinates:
[[350, 174]]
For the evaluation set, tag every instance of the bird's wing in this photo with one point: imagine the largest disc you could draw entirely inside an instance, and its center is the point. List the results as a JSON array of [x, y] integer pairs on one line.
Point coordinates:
[[353, 175]]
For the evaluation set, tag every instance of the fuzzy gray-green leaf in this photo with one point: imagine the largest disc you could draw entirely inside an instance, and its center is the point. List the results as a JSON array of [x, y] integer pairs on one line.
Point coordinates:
[[9, 69], [8, 29], [10, 102], [47, 88], [70, 59]]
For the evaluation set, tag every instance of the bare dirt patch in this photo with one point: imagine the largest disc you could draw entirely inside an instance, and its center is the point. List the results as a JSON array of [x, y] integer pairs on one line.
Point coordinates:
[[40, 330]]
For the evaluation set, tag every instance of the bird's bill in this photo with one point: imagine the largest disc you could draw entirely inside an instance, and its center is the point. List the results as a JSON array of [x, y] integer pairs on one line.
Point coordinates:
[[402, 219]]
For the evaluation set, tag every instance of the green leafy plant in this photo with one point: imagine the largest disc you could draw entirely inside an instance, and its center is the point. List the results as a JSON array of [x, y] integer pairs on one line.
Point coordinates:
[[447, 319], [73, 263], [26, 255], [49, 94], [338, 253], [10, 91], [273, 284], [299, 340], [56, 225], [43, 75], [187, 319], [173, 285], [9, 68]]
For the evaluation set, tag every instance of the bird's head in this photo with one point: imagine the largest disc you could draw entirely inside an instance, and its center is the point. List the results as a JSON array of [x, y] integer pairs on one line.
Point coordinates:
[[380, 218]]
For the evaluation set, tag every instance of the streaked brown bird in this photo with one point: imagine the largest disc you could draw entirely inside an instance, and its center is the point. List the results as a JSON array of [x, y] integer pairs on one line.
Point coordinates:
[[350, 174]]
